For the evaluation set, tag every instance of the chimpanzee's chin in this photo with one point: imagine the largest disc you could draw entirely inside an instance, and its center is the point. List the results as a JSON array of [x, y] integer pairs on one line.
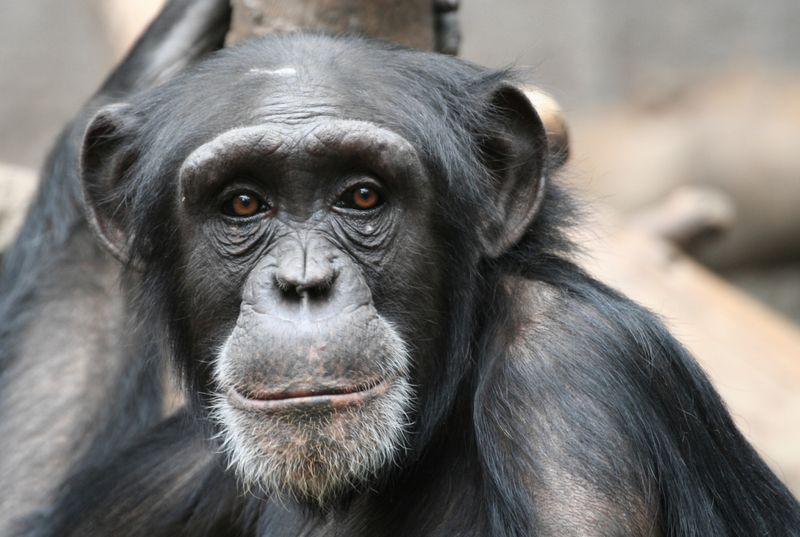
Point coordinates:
[[319, 448]]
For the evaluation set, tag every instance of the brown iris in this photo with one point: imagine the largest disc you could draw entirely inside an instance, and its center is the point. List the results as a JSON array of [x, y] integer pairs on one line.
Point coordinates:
[[365, 198], [242, 205]]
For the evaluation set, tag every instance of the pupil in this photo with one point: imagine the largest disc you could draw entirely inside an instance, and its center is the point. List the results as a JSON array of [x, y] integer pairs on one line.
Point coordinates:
[[245, 200], [364, 193]]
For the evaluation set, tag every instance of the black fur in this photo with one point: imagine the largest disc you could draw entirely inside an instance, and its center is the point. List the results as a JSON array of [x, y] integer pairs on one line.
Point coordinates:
[[558, 407], [75, 381]]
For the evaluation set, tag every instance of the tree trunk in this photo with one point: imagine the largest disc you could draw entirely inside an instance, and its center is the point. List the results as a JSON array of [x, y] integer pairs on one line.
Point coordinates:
[[409, 22], [422, 24]]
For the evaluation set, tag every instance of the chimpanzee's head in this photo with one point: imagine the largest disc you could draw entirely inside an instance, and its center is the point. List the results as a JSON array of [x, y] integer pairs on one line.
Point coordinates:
[[306, 217]]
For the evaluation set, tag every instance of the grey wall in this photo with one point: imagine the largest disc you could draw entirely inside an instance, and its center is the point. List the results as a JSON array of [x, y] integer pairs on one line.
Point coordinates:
[[592, 52], [52, 55]]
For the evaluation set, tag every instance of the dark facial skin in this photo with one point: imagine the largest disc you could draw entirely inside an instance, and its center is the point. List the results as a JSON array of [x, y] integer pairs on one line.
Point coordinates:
[[304, 219]]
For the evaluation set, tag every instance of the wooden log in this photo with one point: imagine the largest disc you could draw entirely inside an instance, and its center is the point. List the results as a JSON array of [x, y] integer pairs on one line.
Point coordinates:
[[410, 22], [737, 134]]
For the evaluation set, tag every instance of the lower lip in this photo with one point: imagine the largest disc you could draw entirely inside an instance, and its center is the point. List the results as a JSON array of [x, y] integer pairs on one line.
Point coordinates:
[[337, 400]]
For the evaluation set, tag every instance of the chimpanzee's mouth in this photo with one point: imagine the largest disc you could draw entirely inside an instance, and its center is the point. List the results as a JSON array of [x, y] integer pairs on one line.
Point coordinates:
[[267, 398]]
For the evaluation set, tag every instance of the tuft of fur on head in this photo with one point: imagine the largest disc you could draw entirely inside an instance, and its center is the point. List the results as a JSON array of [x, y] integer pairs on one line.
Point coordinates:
[[318, 456]]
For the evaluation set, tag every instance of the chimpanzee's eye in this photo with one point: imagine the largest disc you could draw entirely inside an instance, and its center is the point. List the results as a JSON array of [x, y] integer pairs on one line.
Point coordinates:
[[361, 198], [244, 204]]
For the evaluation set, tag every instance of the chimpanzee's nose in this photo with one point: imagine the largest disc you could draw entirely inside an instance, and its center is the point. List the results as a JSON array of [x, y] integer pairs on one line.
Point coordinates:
[[306, 280], [309, 278], [305, 271]]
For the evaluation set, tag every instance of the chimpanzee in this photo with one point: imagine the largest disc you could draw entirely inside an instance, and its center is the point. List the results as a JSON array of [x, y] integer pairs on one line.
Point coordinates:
[[73, 379], [355, 254]]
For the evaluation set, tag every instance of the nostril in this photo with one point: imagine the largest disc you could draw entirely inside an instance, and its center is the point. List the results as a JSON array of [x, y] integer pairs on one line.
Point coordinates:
[[289, 290], [312, 288], [314, 292], [317, 288]]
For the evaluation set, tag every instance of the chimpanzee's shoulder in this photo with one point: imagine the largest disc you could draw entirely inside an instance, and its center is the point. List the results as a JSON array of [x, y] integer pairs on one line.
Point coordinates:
[[580, 322]]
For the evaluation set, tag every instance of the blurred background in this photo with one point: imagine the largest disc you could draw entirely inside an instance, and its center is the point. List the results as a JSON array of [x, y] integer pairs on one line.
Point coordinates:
[[684, 125]]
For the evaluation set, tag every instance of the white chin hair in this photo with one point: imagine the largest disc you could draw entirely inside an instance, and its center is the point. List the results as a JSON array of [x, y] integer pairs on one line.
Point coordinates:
[[316, 456]]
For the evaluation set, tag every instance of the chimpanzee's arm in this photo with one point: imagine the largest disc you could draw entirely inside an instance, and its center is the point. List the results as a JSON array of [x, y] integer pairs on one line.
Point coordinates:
[[613, 426], [169, 483]]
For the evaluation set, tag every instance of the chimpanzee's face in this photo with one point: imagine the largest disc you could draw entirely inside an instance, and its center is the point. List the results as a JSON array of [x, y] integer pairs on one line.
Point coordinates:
[[319, 230], [292, 206]]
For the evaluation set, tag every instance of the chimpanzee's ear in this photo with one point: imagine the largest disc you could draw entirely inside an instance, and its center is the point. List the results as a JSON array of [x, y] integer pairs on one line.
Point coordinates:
[[105, 157], [555, 126], [520, 156]]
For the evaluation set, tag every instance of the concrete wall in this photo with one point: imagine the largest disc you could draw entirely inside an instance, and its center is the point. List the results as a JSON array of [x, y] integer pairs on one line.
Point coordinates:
[[592, 52]]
